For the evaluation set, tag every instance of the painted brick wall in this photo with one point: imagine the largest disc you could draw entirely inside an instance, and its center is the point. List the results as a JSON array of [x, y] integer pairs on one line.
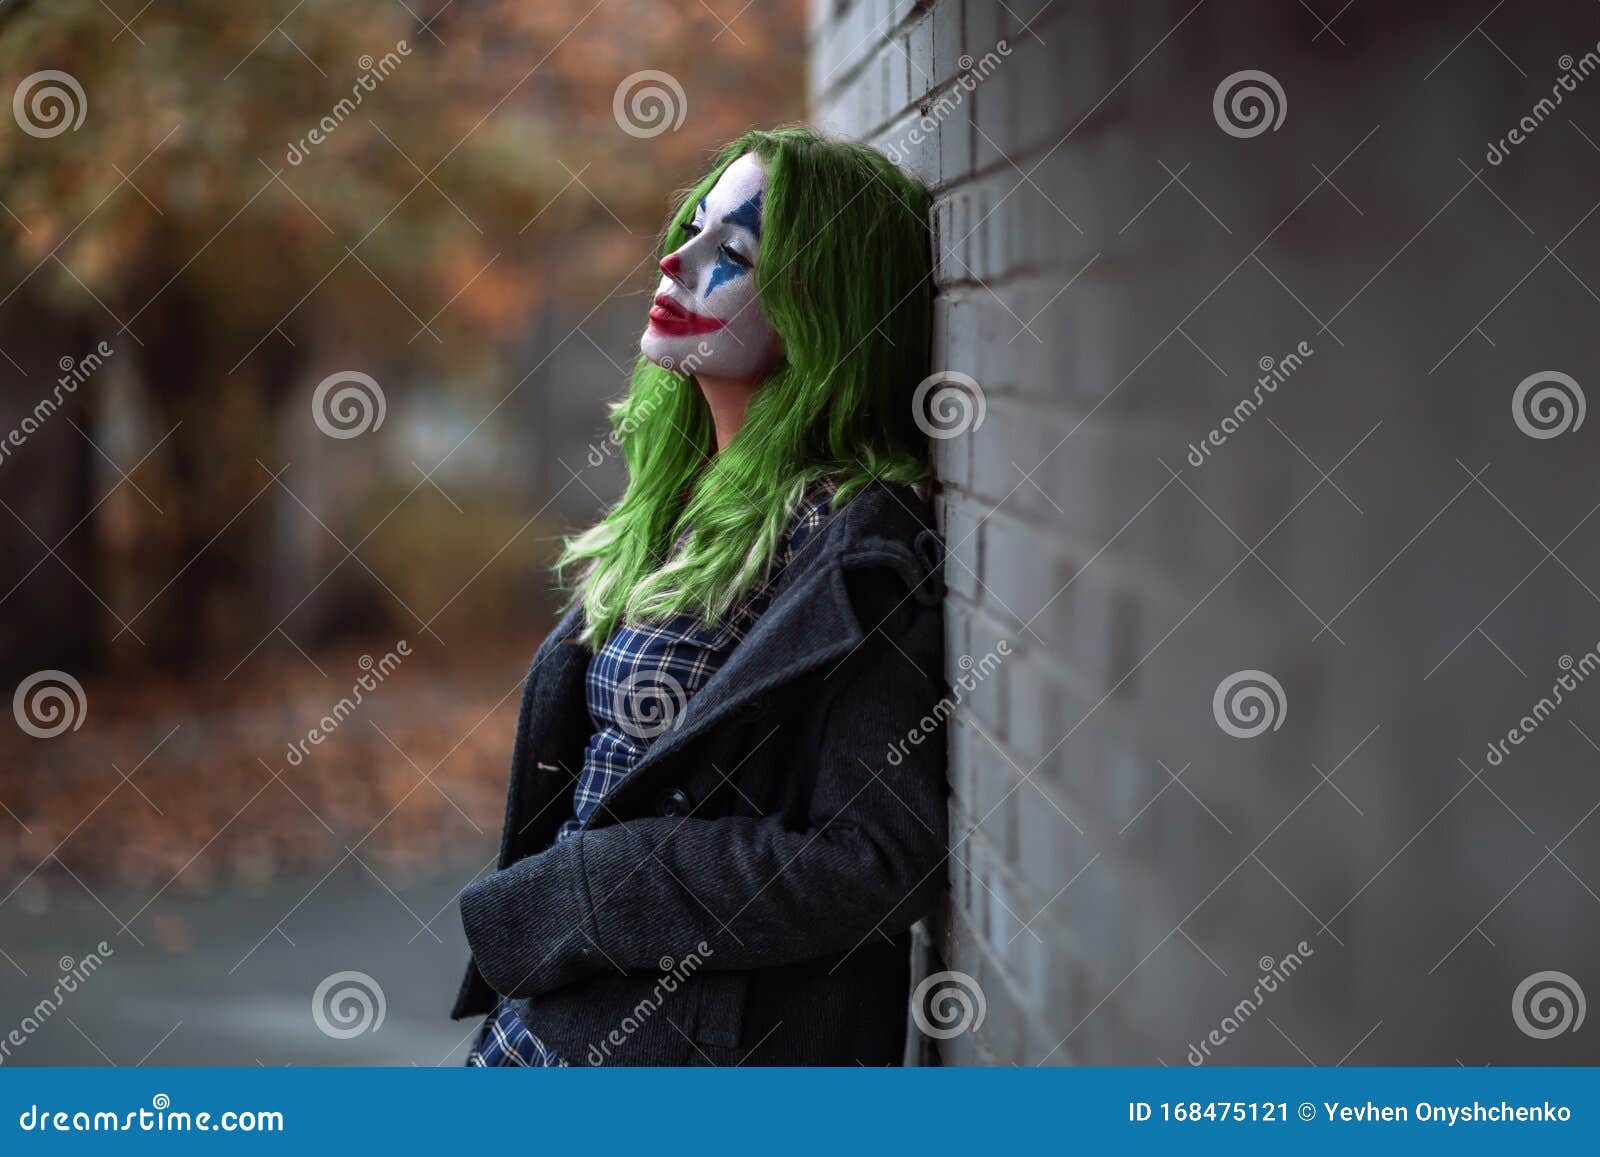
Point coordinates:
[[1115, 271]]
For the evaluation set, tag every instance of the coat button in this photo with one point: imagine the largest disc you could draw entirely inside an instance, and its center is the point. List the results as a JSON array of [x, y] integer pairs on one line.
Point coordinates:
[[675, 802]]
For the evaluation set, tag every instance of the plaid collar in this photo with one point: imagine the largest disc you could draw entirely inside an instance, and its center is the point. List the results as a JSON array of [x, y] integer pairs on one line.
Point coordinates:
[[810, 514]]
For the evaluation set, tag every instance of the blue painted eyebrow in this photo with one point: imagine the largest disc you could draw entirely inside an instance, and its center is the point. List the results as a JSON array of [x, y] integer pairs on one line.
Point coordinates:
[[747, 216]]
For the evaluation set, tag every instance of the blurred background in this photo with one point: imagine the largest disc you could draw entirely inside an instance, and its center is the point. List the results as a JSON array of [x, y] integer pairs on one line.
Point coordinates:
[[439, 196]]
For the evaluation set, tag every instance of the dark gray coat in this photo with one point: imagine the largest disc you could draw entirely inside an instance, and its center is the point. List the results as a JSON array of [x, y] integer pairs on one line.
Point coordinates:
[[745, 894]]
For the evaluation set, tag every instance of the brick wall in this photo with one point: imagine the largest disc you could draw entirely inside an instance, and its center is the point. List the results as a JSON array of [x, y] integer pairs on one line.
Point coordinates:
[[1376, 533]]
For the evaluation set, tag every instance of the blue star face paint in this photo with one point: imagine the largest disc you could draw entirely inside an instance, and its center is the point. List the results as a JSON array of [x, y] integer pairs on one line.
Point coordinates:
[[747, 217], [723, 271], [706, 318]]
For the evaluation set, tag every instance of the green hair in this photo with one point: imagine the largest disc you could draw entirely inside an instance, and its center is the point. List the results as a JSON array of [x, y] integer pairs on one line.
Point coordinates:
[[844, 278]]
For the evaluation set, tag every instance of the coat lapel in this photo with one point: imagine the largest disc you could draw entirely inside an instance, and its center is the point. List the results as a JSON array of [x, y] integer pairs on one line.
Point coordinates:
[[547, 724], [810, 623]]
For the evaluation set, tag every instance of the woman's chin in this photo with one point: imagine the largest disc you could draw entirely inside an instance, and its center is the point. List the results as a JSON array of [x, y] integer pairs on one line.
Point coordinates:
[[658, 350]]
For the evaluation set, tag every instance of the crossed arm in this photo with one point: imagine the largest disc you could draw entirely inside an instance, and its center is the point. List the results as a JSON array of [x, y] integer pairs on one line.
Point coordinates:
[[742, 892]]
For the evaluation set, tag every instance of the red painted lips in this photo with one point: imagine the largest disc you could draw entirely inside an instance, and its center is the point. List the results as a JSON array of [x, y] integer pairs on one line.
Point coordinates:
[[669, 318]]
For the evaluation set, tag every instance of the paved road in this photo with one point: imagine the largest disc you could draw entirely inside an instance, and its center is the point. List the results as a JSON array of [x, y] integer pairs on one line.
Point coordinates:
[[229, 979]]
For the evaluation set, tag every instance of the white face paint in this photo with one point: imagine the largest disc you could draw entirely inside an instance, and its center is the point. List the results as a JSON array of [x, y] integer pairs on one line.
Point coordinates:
[[706, 319]]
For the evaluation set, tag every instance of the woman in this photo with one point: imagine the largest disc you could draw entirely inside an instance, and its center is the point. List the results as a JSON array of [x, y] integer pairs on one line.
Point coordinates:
[[708, 856]]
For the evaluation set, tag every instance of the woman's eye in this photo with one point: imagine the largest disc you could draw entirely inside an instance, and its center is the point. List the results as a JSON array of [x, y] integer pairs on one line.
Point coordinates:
[[735, 256]]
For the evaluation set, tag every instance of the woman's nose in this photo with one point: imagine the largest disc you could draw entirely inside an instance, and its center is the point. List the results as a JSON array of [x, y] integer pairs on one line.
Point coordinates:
[[672, 266]]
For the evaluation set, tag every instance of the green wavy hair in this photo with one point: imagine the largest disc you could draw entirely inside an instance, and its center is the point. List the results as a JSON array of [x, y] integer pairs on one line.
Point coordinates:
[[844, 278]]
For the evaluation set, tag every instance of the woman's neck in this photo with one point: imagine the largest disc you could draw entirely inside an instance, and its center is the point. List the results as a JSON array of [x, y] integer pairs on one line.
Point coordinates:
[[728, 400]]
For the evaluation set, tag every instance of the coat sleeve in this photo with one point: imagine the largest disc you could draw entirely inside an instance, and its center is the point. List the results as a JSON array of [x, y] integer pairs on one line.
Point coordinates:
[[749, 892]]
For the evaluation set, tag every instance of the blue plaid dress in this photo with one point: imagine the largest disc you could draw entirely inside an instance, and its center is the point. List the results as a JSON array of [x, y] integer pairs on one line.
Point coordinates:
[[638, 685]]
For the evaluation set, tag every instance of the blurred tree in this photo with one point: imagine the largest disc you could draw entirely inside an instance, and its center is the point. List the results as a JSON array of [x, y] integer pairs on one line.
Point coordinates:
[[260, 194]]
